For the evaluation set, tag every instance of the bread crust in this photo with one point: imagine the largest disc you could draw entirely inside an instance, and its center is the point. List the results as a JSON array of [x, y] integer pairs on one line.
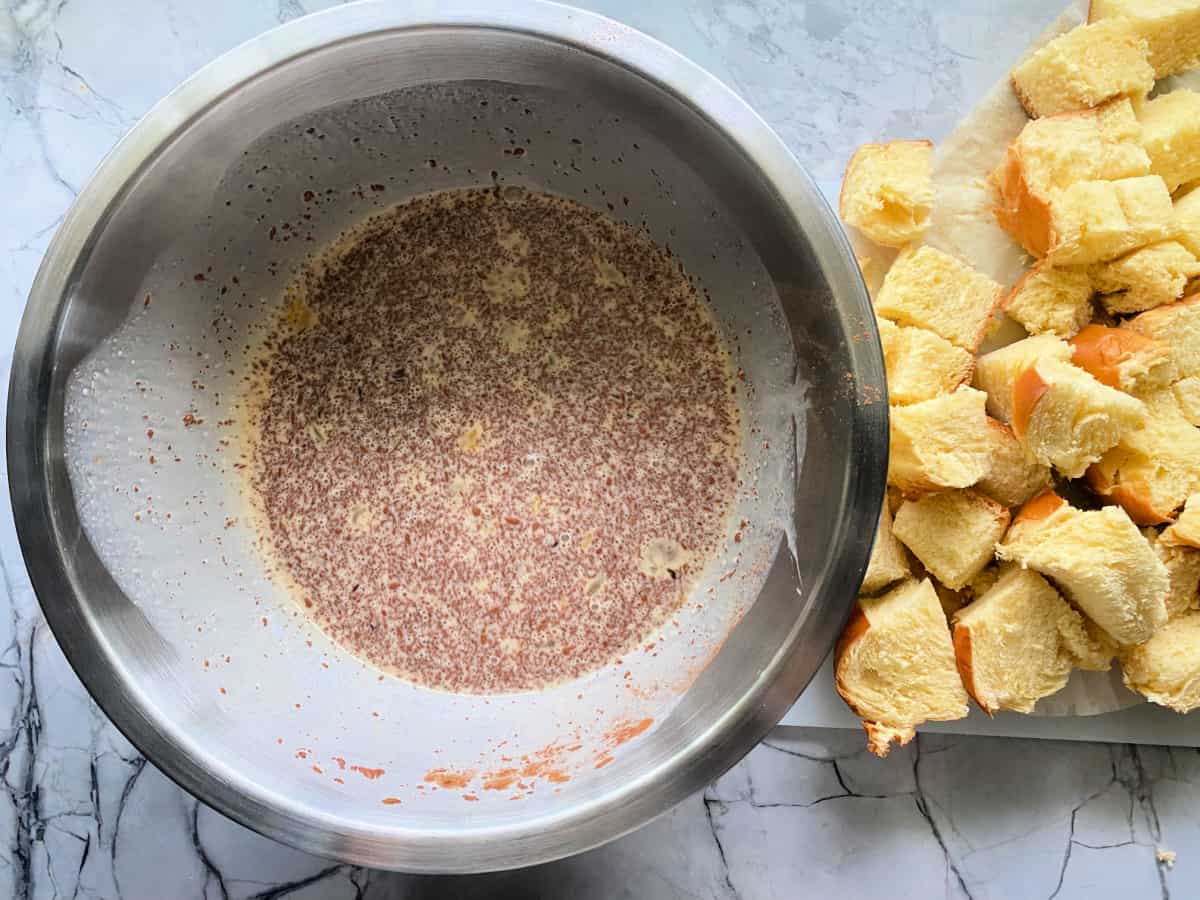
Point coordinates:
[[1028, 389], [1041, 507], [1101, 350], [964, 660], [1020, 211]]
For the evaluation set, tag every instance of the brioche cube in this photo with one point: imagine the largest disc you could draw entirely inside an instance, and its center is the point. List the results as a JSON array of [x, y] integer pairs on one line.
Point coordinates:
[[1053, 153], [1088, 644], [1012, 478], [940, 443], [1186, 530], [1123, 359], [1171, 29], [1051, 301], [920, 364], [930, 289], [1066, 418], [1187, 220], [1009, 645], [1166, 668], [1187, 394], [1171, 136], [894, 665], [1152, 469], [1083, 68], [953, 534], [888, 563], [1183, 570], [1095, 221], [1148, 277], [996, 373], [1178, 326], [1098, 558], [887, 191]]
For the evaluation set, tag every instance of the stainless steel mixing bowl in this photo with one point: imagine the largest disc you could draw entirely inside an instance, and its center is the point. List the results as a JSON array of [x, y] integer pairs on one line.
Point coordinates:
[[356, 107]]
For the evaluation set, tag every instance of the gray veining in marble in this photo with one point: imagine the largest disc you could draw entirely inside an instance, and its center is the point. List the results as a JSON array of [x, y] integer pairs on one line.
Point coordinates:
[[808, 813]]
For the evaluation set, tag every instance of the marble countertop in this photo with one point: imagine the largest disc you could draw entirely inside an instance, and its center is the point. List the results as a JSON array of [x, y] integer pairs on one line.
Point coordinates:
[[808, 813]]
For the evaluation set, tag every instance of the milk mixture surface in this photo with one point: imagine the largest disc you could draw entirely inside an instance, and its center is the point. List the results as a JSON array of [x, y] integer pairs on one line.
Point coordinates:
[[494, 438]]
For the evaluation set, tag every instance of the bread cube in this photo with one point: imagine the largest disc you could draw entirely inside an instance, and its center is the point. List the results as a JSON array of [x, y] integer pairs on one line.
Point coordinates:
[[1152, 469], [1166, 668], [1148, 277], [894, 665], [888, 563], [1171, 29], [1051, 301], [941, 443], [953, 534], [1178, 326], [1052, 154], [1095, 221], [887, 191], [1187, 394], [920, 364], [996, 373], [1123, 359], [1083, 68], [930, 289], [1183, 570], [1098, 558], [1008, 643], [1187, 220], [1067, 419], [1012, 478], [1186, 530], [1171, 136], [1089, 645]]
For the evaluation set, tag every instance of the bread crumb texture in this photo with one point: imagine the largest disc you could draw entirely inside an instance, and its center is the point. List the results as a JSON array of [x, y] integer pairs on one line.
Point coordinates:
[[1083, 68], [894, 665], [887, 191]]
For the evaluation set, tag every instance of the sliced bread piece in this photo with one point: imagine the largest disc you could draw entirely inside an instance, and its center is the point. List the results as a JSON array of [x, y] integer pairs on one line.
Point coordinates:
[[1187, 392], [953, 533], [1186, 530], [1095, 221], [894, 665], [888, 563], [996, 373], [1083, 68], [1187, 219], [1166, 668], [1152, 469], [1012, 478], [887, 191], [1171, 29], [1148, 277], [1123, 359], [1066, 418], [1183, 569], [941, 443], [1098, 558], [1008, 643], [1051, 301], [1053, 153], [1178, 326], [1171, 135], [920, 364], [930, 289], [1089, 645]]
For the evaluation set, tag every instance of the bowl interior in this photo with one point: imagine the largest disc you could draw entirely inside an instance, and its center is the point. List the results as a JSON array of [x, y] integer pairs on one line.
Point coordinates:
[[160, 599]]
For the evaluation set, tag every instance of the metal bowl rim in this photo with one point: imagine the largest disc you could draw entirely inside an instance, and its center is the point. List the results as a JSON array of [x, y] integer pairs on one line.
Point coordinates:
[[574, 829]]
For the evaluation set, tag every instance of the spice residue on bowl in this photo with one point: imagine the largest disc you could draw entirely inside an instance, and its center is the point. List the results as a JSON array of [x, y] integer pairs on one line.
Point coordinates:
[[493, 439]]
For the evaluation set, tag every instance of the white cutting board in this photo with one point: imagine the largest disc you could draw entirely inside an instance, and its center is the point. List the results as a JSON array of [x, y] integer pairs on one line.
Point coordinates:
[[821, 707]]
